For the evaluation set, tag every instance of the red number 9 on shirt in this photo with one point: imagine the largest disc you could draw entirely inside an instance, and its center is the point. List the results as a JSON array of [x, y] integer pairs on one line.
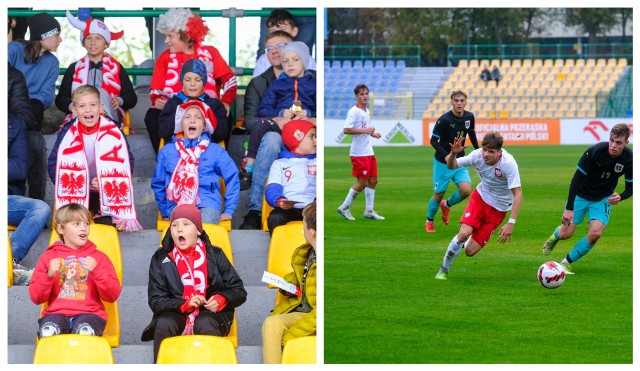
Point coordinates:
[[288, 173]]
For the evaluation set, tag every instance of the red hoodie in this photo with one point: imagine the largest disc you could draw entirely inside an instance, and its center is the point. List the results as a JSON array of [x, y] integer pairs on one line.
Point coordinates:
[[74, 290]]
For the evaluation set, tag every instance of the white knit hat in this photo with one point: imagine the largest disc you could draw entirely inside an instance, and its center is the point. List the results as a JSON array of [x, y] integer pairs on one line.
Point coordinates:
[[93, 26]]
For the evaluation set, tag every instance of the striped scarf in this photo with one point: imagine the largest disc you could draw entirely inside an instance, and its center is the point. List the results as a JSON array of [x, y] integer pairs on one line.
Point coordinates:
[[193, 276], [183, 188]]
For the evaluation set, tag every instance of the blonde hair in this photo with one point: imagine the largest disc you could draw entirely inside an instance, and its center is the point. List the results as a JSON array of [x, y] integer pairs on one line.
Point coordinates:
[[70, 213], [84, 90]]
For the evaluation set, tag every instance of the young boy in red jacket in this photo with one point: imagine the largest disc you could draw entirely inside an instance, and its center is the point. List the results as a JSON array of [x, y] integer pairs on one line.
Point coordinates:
[[73, 277]]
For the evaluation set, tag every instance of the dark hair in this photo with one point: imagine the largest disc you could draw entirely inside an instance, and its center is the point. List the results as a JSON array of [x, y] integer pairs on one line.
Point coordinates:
[[278, 33], [32, 51], [620, 130], [492, 140], [359, 87], [458, 92], [309, 215], [280, 16]]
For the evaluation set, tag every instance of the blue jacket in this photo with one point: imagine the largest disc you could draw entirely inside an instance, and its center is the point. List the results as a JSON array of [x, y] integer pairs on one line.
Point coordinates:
[[215, 162], [280, 95], [18, 142], [41, 76], [53, 156]]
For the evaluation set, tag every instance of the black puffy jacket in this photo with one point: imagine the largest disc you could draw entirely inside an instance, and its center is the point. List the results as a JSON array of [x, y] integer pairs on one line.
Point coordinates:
[[19, 105], [165, 287]]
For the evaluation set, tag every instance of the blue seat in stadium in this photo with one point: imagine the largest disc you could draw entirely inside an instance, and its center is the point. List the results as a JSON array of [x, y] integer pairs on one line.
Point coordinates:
[[335, 66], [393, 85], [401, 65], [390, 64], [327, 65], [379, 64], [347, 65], [357, 65], [368, 66]]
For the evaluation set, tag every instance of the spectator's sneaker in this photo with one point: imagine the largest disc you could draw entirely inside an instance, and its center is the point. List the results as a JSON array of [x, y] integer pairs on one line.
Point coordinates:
[[245, 180], [252, 220], [429, 227], [567, 268], [445, 212], [22, 277], [346, 213], [441, 275], [549, 244], [373, 215]]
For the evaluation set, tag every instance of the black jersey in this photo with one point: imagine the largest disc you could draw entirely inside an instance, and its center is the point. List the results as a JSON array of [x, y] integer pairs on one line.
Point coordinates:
[[601, 172], [448, 127]]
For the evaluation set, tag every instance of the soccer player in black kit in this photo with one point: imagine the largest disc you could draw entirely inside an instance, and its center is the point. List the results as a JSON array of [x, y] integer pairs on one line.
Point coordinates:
[[456, 123], [592, 191]]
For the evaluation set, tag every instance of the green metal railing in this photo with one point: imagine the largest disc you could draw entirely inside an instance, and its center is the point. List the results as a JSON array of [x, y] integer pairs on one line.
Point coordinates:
[[374, 52], [231, 13], [539, 51]]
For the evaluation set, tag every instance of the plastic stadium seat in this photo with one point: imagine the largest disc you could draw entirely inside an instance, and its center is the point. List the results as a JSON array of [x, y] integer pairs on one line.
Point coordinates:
[[516, 63], [390, 63], [347, 65], [327, 65], [505, 63], [368, 66], [73, 349], [335, 65], [106, 239], [622, 62], [10, 262], [126, 125], [196, 349], [285, 239], [379, 64], [300, 350], [357, 64]]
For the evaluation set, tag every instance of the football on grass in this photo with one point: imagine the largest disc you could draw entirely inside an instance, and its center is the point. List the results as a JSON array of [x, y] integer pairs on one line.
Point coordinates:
[[551, 275]]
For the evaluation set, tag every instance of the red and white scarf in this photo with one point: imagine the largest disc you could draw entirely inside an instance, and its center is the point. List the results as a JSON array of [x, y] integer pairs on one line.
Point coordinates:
[[172, 83], [183, 188], [110, 74], [194, 278], [113, 170]]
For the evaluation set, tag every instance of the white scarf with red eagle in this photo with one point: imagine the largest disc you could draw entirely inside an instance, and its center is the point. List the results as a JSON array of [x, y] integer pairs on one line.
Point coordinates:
[[183, 188], [194, 279], [113, 170]]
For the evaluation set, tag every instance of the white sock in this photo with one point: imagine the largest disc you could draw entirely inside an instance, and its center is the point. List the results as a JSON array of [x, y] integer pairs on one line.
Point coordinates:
[[452, 253], [349, 199], [369, 196]]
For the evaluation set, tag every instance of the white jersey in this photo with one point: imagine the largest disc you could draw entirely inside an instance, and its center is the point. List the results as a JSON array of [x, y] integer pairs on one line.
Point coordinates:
[[297, 176], [358, 118], [496, 181]]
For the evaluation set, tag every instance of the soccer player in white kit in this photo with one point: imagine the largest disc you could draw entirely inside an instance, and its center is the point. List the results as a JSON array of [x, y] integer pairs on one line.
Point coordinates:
[[365, 167], [498, 192]]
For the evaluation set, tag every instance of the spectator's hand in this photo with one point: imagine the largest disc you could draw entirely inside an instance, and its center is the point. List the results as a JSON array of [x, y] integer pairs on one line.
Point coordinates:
[[284, 204], [114, 103], [227, 107], [289, 114], [89, 263], [54, 267], [197, 301], [225, 216], [161, 102], [567, 217], [212, 304], [94, 183], [614, 199], [301, 115]]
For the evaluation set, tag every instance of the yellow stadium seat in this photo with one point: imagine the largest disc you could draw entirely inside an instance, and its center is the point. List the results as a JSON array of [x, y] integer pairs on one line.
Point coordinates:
[[580, 63], [547, 63], [569, 62], [505, 63], [196, 349], [622, 62], [473, 63], [601, 62], [504, 114], [284, 240], [590, 62], [537, 63], [495, 62], [266, 210], [463, 63], [516, 63], [10, 262], [11, 227], [558, 62], [300, 350], [106, 239], [73, 349], [126, 125]]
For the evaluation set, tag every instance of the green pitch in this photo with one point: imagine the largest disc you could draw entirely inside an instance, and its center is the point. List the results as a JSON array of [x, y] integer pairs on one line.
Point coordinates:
[[382, 304]]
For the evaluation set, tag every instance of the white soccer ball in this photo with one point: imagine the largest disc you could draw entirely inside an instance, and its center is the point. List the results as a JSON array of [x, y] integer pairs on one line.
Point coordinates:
[[551, 275]]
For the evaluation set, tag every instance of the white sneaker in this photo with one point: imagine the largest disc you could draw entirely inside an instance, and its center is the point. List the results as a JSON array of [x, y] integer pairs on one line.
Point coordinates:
[[373, 215], [346, 213]]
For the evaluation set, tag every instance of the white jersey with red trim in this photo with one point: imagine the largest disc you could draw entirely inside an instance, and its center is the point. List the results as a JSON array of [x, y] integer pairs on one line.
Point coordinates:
[[496, 180], [358, 118], [297, 176]]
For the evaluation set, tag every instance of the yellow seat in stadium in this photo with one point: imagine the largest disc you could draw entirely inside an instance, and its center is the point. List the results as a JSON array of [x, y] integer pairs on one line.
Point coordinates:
[[73, 349], [463, 63], [196, 349], [622, 62], [504, 114], [10, 262], [580, 63], [516, 63], [601, 62], [126, 125], [300, 350], [505, 63], [590, 62], [285, 239], [473, 63], [11, 227], [106, 239], [569, 62]]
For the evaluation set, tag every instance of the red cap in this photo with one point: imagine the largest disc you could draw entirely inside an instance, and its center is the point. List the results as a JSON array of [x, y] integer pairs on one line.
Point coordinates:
[[293, 133], [187, 211]]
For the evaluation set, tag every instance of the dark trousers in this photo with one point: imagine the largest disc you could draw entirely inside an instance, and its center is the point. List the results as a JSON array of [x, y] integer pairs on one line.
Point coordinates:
[[281, 217], [151, 122], [170, 324], [37, 176], [84, 324], [259, 129]]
